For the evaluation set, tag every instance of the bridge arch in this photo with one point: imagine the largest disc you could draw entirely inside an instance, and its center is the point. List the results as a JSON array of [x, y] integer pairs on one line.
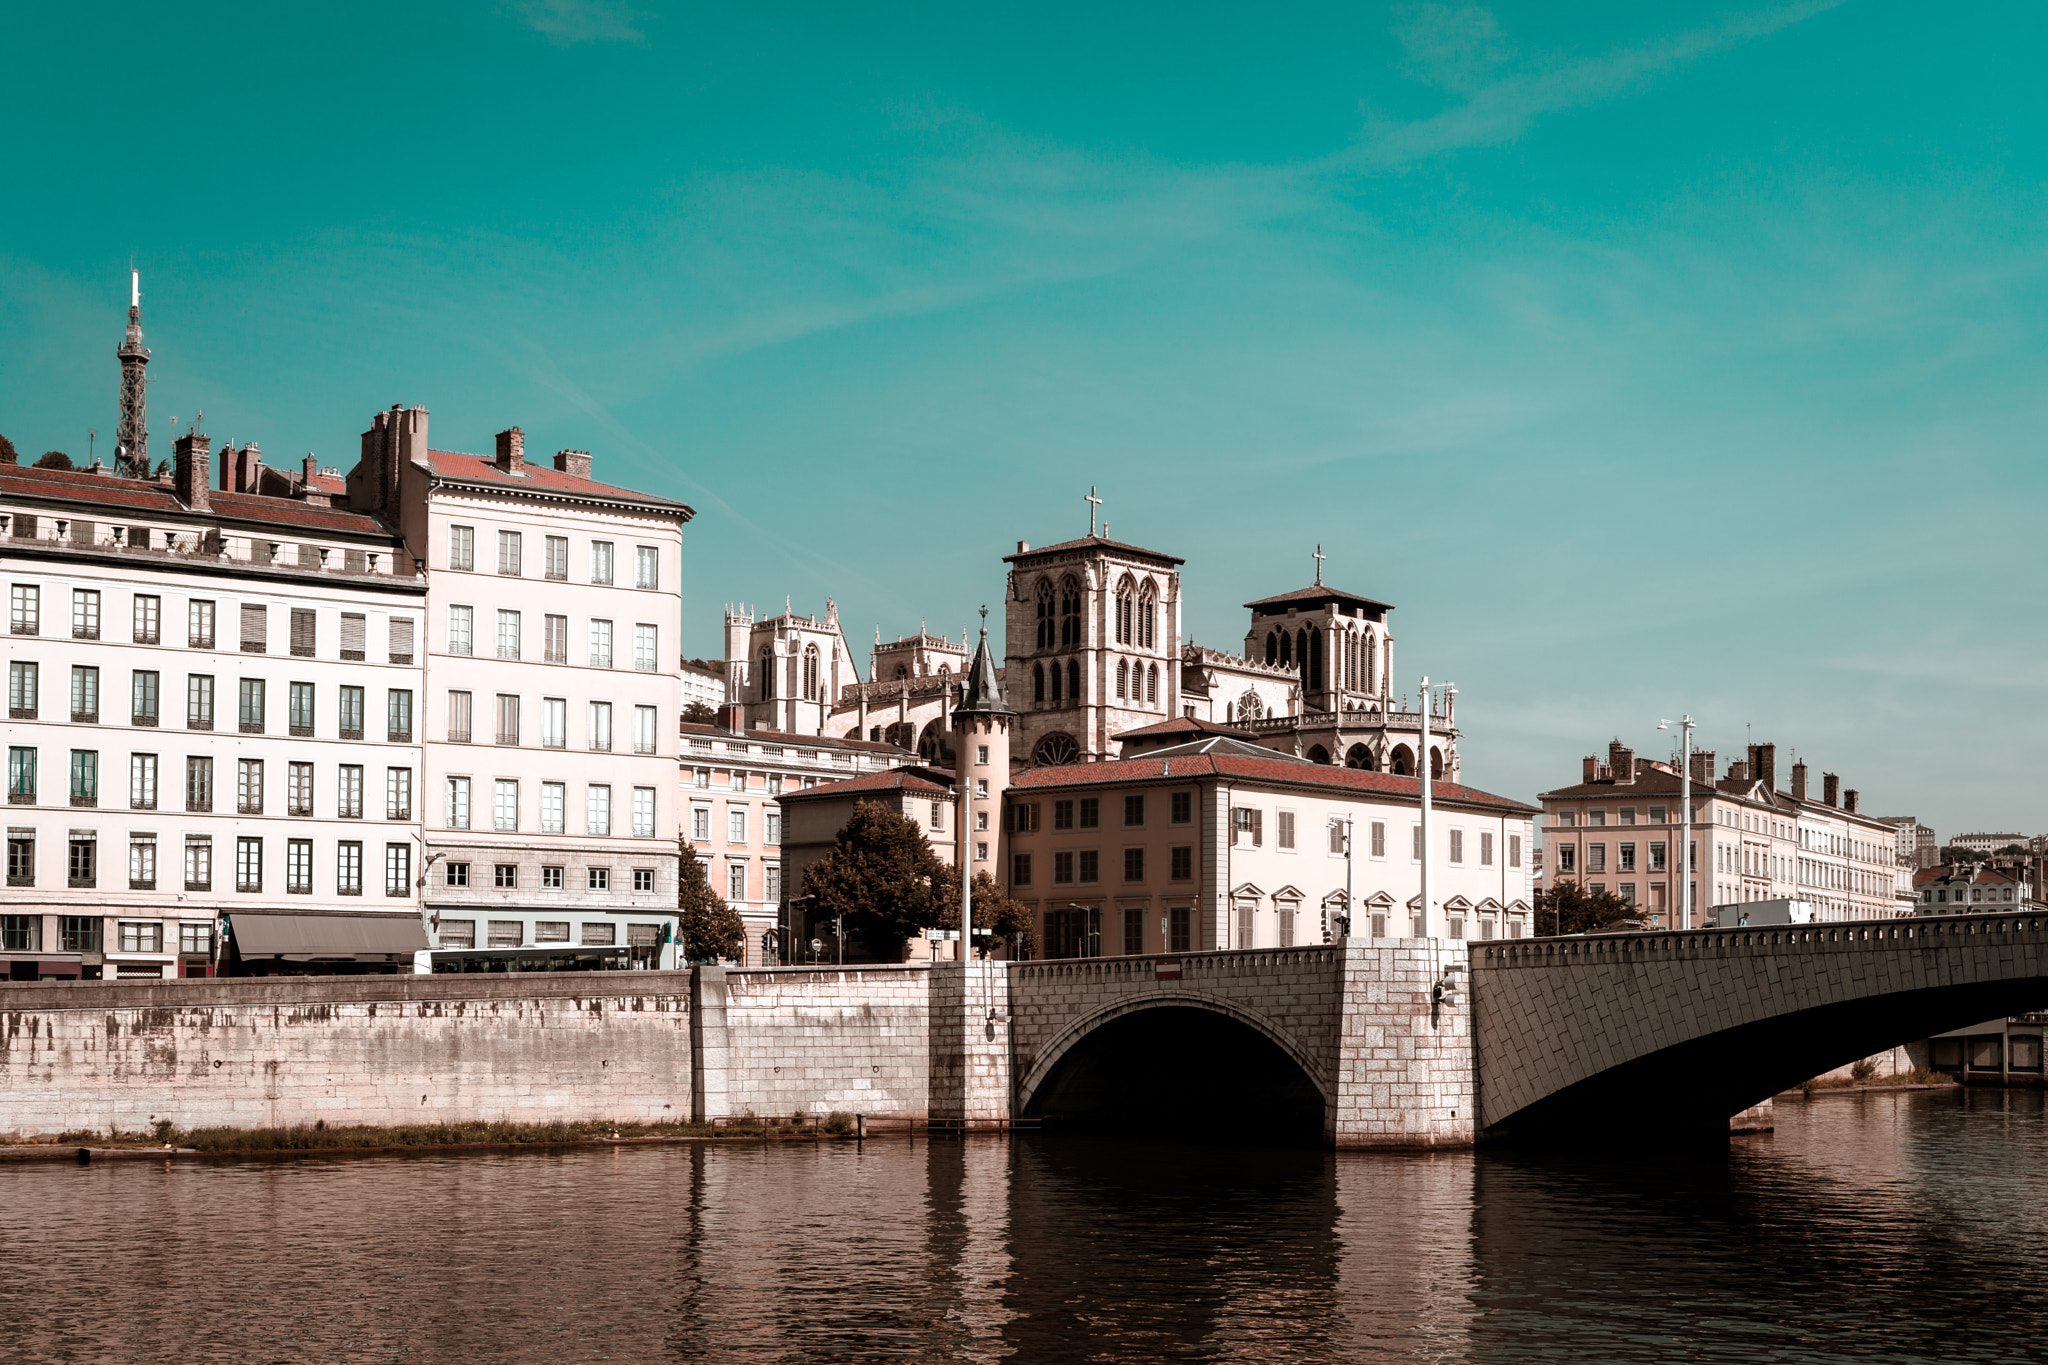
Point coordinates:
[[1135, 1042]]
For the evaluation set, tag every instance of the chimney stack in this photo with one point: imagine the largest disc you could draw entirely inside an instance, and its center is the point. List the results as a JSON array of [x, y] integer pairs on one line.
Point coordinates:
[[309, 472], [396, 438], [1798, 781], [1592, 769], [512, 450], [1703, 767], [1830, 789], [194, 471], [1738, 771], [1621, 761], [1849, 801], [574, 463], [241, 470], [1763, 760]]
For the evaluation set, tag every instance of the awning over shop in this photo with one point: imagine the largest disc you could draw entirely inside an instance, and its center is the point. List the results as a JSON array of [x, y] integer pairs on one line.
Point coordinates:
[[327, 938]]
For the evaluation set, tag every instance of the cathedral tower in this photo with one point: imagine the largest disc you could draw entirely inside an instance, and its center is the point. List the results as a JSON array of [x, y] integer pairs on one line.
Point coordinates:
[[131, 437]]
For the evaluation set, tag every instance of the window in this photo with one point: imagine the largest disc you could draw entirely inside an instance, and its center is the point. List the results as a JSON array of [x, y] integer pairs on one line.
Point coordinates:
[[142, 938], [1596, 857], [458, 803], [462, 547], [21, 860], [643, 881], [455, 874], [462, 630], [398, 715], [1658, 857], [598, 809], [645, 729], [255, 628], [85, 777], [1181, 808], [646, 566], [1627, 856], [645, 653], [85, 694], [1284, 828], [736, 824], [149, 611], [248, 864], [1379, 838], [1134, 812], [355, 635], [1063, 868], [600, 879], [1567, 857], [508, 553], [142, 781], [1628, 815], [1091, 812], [195, 939], [1090, 863], [1415, 839], [555, 639], [298, 867], [351, 713], [142, 862], [1656, 815], [198, 863], [557, 557], [85, 614], [553, 797], [349, 793], [299, 709], [82, 867], [24, 609], [23, 689], [458, 717], [299, 788], [1514, 850], [600, 561], [1020, 869], [601, 726], [505, 805], [199, 784], [508, 634], [249, 786], [398, 793], [398, 869], [700, 822], [458, 933], [1457, 845], [250, 707], [1181, 866], [505, 876], [21, 933], [504, 933], [736, 881], [198, 702], [739, 781], [703, 779], [1063, 815], [305, 628], [348, 868], [643, 812], [1596, 817], [551, 930], [551, 879], [1180, 922], [600, 644], [1134, 864], [78, 934], [508, 718]]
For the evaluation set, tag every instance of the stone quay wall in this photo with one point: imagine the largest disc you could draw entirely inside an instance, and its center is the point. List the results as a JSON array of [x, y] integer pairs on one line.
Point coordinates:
[[808, 1040], [353, 1050]]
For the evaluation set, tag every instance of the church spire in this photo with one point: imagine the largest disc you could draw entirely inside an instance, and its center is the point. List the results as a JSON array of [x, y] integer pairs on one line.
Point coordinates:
[[131, 437], [981, 693]]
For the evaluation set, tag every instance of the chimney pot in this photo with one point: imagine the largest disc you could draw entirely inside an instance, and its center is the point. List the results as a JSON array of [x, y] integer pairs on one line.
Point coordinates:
[[574, 463], [511, 450]]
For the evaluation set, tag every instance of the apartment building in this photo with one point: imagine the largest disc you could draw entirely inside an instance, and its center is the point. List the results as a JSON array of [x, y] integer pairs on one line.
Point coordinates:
[[552, 686], [731, 790], [212, 727]]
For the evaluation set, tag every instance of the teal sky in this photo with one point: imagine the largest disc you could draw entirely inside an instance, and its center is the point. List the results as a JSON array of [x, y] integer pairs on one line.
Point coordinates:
[[1650, 358]]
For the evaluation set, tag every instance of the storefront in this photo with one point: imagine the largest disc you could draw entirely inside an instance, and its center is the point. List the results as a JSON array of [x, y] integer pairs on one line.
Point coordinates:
[[337, 944]]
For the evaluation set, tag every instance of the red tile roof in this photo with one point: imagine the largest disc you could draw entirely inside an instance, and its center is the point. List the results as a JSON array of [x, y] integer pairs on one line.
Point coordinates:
[[148, 497], [899, 779], [1292, 772], [1094, 543], [482, 471]]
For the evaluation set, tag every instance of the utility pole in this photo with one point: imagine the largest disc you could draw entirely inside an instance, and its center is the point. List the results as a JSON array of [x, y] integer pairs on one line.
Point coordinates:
[[1685, 867], [1422, 777]]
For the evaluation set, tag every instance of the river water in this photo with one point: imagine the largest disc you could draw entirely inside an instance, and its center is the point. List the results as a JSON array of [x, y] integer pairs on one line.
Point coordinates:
[[1897, 1227]]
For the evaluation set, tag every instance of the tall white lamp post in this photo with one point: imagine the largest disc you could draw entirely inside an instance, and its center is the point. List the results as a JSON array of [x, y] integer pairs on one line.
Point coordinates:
[[1685, 867]]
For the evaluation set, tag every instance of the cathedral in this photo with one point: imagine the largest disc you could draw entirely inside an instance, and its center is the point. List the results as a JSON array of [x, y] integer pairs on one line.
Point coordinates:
[[1096, 665]]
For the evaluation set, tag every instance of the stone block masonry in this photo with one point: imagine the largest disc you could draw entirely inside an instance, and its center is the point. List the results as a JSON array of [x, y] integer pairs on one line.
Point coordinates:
[[814, 1040]]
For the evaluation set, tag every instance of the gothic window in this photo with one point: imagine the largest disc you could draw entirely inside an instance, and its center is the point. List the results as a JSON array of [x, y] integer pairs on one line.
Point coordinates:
[[811, 673], [935, 745], [902, 671], [945, 670], [1045, 616], [1126, 606], [1056, 750], [1370, 675], [1056, 693], [1286, 650], [1070, 610], [1360, 757], [1318, 754], [1249, 707], [1436, 763], [1402, 761], [902, 734], [1038, 682], [1272, 649], [1123, 677], [1148, 618], [767, 676], [1312, 657], [1073, 680], [1152, 685]]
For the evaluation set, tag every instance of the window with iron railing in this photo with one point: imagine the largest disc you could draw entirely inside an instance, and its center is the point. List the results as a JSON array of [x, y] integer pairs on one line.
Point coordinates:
[[148, 618], [24, 687], [458, 717], [24, 609], [144, 685], [85, 614], [85, 694]]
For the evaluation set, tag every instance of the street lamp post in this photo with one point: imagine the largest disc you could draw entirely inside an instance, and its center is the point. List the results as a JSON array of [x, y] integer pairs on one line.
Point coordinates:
[[1342, 822], [790, 935], [1685, 868]]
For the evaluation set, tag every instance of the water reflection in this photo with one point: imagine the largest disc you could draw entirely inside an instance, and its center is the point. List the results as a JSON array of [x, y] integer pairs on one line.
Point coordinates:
[[1885, 1228]]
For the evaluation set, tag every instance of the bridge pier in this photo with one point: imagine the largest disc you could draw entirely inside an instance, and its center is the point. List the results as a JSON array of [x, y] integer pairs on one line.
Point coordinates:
[[970, 1044], [1403, 1067]]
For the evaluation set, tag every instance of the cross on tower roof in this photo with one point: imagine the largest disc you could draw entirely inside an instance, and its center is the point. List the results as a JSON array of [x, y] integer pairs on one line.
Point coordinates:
[[1093, 503], [1319, 558]]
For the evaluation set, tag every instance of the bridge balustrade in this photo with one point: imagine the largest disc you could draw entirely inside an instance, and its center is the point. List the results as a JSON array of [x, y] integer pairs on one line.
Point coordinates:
[[1549, 952]]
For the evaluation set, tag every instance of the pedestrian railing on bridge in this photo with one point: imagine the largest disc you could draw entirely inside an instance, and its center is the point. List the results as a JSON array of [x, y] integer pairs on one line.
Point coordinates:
[[1931, 931]]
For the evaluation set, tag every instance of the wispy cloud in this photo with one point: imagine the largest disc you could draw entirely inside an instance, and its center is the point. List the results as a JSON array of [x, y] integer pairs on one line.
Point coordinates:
[[1460, 47], [582, 21]]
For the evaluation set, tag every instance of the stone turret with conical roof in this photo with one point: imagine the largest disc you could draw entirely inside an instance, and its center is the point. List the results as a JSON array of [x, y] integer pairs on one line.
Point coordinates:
[[981, 725]]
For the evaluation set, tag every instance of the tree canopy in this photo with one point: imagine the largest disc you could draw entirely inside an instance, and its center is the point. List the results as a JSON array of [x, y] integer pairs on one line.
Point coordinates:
[[8, 454], [997, 913], [54, 459], [883, 877], [1569, 908], [705, 925], [697, 713]]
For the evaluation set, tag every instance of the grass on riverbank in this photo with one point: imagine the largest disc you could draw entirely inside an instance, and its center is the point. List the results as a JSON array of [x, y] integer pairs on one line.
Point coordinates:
[[343, 1137]]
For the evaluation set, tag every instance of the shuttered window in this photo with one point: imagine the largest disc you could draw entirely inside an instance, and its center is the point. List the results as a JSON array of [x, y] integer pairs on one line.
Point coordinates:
[[255, 628], [303, 619], [353, 630], [401, 639]]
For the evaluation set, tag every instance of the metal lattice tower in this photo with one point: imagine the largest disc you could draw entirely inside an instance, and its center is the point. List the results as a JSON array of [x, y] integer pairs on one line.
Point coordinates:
[[131, 460]]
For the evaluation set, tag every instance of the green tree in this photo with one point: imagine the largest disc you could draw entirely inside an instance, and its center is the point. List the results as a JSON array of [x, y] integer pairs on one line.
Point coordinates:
[[707, 927], [1569, 908], [697, 713], [884, 879], [996, 912], [54, 459], [8, 454]]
